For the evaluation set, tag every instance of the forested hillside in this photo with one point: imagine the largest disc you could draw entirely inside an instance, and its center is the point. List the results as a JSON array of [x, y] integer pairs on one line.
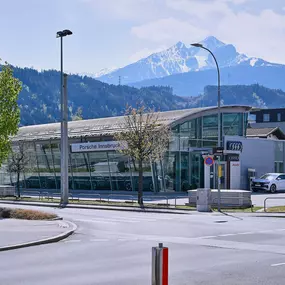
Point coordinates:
[[252, 95], [88, 98]]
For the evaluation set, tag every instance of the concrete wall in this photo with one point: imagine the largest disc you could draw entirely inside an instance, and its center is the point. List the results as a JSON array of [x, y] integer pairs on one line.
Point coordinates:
[[258, 154]]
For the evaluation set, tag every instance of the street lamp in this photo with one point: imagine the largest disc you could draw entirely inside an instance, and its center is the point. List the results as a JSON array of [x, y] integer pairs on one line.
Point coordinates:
[[219, 117], [63, 124]]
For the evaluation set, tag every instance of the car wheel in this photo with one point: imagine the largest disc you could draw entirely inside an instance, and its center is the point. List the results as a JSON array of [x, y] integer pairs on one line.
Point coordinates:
[[273, 188]]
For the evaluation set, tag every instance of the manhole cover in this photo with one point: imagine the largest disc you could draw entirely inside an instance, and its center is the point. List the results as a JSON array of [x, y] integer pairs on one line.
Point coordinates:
[[220, 222]]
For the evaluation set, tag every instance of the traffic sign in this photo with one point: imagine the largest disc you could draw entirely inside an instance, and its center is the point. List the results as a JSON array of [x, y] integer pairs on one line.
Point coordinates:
[[209, 160]]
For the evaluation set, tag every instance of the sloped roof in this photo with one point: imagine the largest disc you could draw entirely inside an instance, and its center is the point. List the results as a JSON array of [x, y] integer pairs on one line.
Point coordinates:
[[265, 132], [110, 125]]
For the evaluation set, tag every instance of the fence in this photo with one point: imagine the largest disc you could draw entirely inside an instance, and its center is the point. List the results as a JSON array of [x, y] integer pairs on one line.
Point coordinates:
[[271, 198]]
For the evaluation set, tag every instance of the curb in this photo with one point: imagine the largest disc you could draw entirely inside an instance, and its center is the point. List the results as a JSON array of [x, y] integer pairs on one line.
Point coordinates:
[[120, 208], [43, 241]]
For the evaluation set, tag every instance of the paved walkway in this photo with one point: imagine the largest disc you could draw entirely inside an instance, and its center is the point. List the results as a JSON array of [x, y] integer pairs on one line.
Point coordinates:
[[22, 231]]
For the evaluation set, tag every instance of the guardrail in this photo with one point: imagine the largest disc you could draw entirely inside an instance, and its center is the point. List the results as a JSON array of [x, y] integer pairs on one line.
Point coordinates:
[[124, 196], [89, 196], [145, 198], [271, 198], [37, 193]]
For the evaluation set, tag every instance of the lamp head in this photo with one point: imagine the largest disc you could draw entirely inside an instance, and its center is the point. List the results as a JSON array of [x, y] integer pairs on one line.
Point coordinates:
[[63, 33], [197, 45]]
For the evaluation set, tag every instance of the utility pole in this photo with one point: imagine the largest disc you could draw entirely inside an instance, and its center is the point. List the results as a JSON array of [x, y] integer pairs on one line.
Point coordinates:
[[64, 146], [219, 170], [63, 124]]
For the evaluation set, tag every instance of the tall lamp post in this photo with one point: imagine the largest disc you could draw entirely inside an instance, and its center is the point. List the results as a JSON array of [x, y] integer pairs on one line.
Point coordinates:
[[63, 125], [219, 118]]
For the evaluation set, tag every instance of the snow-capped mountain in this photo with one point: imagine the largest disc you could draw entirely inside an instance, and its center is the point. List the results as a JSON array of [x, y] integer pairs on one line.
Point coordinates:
[[181, 58], [100, 73], [105, 71]]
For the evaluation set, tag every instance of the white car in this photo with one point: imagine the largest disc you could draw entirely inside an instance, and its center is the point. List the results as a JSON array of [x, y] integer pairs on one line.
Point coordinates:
[[270, 182]]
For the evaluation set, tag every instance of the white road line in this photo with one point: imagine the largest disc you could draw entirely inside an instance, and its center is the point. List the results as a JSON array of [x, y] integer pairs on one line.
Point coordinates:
[[208, 237], [277, 264], [95, 221], [227, 235], [128, 239], [99, 239], [73, 240]]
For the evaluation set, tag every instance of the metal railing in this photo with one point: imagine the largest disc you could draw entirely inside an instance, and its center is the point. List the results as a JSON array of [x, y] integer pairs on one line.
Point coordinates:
[[89, 196], [271, 198], [146, 198], [34, 193], [123, 197]]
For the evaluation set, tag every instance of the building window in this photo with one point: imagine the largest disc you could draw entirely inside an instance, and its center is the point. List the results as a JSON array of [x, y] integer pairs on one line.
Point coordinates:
[[266, 117], [278, 117]]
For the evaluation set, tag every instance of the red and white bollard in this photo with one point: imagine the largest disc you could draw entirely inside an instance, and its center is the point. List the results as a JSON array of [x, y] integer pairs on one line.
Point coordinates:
[[159, 265]]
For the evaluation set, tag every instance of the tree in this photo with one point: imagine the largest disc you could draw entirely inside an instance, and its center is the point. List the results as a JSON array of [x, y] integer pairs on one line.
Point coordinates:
[[18, 162], [10, 88], [145, 139]]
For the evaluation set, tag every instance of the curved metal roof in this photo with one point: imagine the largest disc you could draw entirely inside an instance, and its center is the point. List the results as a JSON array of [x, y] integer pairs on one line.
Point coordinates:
[[111, 125]]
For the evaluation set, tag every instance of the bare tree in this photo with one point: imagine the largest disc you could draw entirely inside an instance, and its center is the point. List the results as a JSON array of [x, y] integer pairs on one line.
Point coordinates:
[[18, 162], [145, 137]]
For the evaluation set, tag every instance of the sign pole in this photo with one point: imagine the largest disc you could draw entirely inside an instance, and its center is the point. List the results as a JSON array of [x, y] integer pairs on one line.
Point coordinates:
[[219, 184]]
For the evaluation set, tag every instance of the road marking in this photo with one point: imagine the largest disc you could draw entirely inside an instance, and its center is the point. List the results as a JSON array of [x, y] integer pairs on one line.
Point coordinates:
[[128, 239], [99, 239], [96, 221], [277, 264], [226, 235], [208, 237], [73, 240]]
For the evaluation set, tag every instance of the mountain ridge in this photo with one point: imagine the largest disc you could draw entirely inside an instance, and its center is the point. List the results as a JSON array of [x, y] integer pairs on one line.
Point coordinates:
[[182, 58]]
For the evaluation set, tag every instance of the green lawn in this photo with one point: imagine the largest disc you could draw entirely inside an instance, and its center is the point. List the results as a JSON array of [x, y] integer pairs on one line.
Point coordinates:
[[277, 209], [126, 204]]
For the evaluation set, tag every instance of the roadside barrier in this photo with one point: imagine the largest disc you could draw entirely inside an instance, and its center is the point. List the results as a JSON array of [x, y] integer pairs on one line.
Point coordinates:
[[159, 266], [271, 198]]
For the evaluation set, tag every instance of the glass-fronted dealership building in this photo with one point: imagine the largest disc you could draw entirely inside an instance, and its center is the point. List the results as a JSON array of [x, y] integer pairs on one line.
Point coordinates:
[[95, 164]]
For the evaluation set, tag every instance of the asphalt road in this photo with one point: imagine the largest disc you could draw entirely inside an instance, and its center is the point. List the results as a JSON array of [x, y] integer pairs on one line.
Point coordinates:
[[114, 248]]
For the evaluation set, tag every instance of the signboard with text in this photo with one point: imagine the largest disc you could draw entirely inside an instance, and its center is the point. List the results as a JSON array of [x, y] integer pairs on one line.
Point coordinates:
[[98, 146]]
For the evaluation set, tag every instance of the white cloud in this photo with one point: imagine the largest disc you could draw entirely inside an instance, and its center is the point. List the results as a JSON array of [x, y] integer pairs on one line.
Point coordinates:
[[126, 9], [167, 31], [260, 35]]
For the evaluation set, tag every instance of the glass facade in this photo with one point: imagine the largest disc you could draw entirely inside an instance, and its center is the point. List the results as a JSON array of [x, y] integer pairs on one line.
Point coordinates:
[[181, 168]]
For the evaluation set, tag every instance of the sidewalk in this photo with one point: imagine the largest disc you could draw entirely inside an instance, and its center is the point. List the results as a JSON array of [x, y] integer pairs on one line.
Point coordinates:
[[23, 233], [101, 207]]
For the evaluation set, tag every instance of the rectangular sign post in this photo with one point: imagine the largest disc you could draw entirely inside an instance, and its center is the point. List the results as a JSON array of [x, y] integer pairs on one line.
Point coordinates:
[[159, 265]]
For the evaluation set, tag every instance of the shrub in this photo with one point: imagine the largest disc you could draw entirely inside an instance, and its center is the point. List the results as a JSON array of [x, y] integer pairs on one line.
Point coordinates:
[[5, 213], [31, 215]]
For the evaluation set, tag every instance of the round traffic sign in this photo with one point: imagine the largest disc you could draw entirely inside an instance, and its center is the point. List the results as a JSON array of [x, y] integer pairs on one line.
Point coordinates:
[[209, 161]]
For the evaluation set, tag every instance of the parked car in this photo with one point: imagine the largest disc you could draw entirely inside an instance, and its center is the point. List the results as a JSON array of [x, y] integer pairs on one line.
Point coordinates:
[[271, 182]]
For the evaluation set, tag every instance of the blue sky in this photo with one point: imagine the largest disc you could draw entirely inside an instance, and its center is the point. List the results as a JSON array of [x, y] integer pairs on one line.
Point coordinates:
[[110, 33]]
